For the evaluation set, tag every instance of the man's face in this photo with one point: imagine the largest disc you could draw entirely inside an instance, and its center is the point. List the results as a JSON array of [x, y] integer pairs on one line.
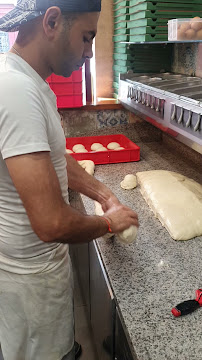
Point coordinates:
[[75, 44]]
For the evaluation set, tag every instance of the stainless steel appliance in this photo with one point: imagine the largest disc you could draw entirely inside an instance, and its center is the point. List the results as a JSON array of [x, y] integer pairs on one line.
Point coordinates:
[[172, 102]]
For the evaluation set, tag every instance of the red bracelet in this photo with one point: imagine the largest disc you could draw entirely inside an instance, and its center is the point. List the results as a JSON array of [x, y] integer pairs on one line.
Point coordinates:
[[108, 223]]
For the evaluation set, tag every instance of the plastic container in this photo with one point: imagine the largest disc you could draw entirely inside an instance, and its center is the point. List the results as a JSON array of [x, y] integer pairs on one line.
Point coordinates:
[[185, 29], [130, 153], [67, 90]]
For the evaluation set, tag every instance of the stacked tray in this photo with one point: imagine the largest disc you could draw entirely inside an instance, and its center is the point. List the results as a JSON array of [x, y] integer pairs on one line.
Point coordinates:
[[159, 13]]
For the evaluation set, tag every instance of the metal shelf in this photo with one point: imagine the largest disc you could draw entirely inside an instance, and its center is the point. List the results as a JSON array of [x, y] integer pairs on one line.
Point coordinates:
[[161, 42]]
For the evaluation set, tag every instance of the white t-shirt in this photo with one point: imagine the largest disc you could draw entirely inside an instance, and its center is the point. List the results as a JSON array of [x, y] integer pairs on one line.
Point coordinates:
[[29, 122]]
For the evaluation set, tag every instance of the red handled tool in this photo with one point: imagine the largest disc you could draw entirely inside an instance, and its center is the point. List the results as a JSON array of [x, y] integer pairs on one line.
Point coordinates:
[[188, 306]]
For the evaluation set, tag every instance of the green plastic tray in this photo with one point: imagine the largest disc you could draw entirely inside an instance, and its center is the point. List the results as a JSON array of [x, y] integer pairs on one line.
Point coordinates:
[[122, 37], [148, 37], [165, 7], [147, 22], [149, 30], [164, 14], [182, 2]]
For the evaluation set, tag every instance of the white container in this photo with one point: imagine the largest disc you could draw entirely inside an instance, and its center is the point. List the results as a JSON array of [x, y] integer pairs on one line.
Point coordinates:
[[185, 29]]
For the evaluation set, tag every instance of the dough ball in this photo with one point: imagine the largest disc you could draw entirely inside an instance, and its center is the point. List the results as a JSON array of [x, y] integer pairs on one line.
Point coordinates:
[[78, 146], [185, 26], [113, 145], [190, 34], [102, 149], [129, 182], [120, 148], [128, 236], [68, 151], [96, 146], [196, 23], [81, 150], [88, 166], [199, 35]]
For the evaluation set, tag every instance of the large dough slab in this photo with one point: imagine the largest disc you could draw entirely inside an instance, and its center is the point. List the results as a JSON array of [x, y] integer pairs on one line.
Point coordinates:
[[175, 200]]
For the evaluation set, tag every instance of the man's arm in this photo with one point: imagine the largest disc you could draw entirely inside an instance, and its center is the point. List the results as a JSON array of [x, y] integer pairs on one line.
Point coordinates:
[[51, 218], [80, 181]]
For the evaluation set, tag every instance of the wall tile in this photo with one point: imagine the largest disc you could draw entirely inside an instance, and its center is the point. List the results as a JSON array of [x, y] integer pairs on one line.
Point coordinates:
[[111, 118], [185, 58], [199, 61]]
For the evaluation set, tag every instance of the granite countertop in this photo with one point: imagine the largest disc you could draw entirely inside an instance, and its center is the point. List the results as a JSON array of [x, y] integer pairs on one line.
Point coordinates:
[[155, 273]]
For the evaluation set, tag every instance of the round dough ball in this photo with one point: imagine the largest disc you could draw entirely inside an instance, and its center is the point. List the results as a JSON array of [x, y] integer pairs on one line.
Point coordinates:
[[78, 146], [88, 166], [128, 236], [196, 23], [185, 26], [120, 148], [190, 34], [96, 146], [181, 35], [113, 145], [129, 182], [68, 151], [81, 150], [199, 35], [101, 149]]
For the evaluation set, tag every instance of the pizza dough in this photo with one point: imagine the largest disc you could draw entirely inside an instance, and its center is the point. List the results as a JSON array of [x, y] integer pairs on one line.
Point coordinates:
[[96, 146], [129, 182], [175, 200], [88, 166], [81, 150], [68, 151], [127, 236], [101, 149], [78, 146], [120, 148], [113, 145]]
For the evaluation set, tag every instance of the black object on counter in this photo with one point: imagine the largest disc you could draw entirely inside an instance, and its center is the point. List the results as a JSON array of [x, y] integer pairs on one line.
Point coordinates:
[[188, 306]]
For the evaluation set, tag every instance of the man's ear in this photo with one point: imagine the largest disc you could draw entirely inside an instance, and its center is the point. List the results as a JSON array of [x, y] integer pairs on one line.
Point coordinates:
[[52, 21]]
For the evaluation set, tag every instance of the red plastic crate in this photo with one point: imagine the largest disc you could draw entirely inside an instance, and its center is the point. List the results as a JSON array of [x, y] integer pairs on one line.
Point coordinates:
[[75, 77], [69, 101], [130, 153], [68, 88]]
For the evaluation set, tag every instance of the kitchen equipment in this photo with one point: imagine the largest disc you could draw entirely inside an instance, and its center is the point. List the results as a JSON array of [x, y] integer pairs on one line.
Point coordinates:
[[188, 306], [172, 102], [131, 151]]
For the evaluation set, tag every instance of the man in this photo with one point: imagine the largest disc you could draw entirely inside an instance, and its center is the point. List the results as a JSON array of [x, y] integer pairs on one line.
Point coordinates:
[[36, 221]]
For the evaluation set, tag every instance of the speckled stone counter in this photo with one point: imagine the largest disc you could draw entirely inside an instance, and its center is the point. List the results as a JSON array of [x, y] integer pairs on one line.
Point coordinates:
[[155, 273]]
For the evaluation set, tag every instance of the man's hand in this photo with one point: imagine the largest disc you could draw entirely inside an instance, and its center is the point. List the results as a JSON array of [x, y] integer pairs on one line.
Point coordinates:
[[121, 218], [111, 203]]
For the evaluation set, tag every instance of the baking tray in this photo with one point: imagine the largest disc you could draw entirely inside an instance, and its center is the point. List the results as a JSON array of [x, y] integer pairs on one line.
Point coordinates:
[[130, 153]]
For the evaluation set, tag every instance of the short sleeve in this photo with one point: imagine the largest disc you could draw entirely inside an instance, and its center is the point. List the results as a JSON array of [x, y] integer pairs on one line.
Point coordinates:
[[23, 119]]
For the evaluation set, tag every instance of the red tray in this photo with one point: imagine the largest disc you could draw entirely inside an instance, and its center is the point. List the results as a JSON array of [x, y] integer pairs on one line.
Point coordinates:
[[130, 153]]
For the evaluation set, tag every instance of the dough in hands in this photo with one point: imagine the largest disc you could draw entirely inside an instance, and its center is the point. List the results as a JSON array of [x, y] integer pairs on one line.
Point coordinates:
[[96, 146], [88, 166], [127, 236], [68, 151], [113, 145], [129, 182], [175, 200], [78, 146]]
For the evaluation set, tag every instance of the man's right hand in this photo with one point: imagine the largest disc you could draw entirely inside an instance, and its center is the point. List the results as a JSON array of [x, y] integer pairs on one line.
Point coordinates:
[[121, 218]]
